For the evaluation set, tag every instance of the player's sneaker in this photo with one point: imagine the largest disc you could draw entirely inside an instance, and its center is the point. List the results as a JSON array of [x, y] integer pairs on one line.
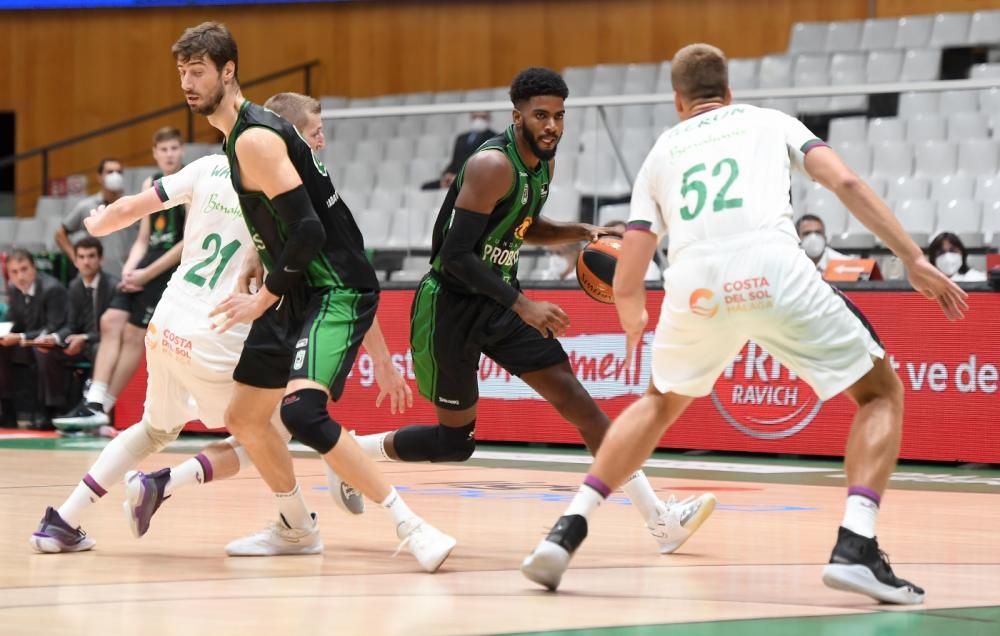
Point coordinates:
[[676, 520], [279, 539], [144, 493], [547, 563], [344, 495], [55, 535], [86, 415], [428, 544], [857, 565]]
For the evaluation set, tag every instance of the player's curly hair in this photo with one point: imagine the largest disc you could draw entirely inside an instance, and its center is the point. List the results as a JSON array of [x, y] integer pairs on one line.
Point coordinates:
[[535, 81]]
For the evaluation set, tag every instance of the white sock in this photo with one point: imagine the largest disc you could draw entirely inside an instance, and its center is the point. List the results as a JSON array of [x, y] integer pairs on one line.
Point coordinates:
[[116, 459], [401, 513], [292, 506], [374, 446], [585, 502], [190, 471], [860, 515], [109, 401], [73, 507], [638, 489], [96, 392]]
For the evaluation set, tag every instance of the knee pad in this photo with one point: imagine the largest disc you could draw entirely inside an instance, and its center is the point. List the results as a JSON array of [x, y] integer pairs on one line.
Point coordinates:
[[304, 415], [143, 439], [435, 443]]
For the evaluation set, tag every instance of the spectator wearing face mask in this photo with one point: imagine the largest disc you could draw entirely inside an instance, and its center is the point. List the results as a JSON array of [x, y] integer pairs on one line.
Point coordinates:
[[949, 255], [561, 262], [117, 244], [812, 237], [466, 143]]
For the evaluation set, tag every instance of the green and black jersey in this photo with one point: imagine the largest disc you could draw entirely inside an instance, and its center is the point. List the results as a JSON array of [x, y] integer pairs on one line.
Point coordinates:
[[500, 244], [341, 264], [166, 229]]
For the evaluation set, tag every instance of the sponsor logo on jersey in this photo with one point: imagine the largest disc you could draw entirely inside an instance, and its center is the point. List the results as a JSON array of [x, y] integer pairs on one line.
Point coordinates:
[[302, 343], [761, 399], [332, 201], [702, 303], [747, 294], [300, 358], [258, 242], [216, 204], [524, 193], [544, 193], [523, 228], [501, 256], [447, 401], [151, 341], [220, 171]]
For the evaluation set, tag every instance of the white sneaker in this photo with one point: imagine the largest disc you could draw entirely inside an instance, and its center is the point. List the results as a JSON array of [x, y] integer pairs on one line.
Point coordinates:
[[546, 564], [344, 495], [278, 539], [428, 544], [678, 520]]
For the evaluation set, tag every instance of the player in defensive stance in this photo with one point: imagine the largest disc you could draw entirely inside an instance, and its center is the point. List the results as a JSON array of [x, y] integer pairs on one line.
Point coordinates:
[[718, 181], [470, 303]]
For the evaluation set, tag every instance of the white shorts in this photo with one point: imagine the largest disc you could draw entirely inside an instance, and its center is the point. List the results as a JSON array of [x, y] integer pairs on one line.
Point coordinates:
[[190, 367], [763, 287]]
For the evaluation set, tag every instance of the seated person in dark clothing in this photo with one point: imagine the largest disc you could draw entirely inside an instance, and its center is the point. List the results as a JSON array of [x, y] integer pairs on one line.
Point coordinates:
[[37, 307], [466, 143]]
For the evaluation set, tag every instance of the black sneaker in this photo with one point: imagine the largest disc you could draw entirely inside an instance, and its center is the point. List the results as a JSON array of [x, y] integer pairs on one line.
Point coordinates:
[[89, 415], [143, 497], [857, 565], [551, 557], [55, 535]]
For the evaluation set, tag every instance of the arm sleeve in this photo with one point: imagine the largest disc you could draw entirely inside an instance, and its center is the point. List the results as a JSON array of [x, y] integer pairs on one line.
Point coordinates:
[[646, 212], [306, 237], [799, 140], [459, 258], [178, 188]]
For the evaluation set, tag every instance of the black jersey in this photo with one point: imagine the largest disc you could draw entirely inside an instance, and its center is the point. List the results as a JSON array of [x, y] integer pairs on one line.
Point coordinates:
[[342, 262]]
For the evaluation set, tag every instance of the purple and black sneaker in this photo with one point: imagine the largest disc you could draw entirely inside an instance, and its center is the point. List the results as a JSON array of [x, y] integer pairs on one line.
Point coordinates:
[[144, 493], [55, 535]]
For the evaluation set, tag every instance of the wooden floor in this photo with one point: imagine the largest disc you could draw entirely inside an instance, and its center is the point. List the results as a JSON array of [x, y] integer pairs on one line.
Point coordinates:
[[760, 555]]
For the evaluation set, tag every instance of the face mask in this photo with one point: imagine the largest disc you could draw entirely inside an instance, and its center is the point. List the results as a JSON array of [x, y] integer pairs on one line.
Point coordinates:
[[479, 125], [948, 262], [114, 182], [814, 244]]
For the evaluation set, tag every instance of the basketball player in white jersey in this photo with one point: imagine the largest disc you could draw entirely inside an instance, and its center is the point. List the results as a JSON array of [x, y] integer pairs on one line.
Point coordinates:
[[190, 367], [718, 182]]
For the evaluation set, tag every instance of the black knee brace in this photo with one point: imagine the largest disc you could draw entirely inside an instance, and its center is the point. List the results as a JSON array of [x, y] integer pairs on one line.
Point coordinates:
[[304, 415], [435, 443]]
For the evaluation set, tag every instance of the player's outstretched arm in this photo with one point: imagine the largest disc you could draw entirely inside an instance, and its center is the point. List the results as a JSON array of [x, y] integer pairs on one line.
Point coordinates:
[[390, 381], [828, 169], [548, 232], [122, 213]]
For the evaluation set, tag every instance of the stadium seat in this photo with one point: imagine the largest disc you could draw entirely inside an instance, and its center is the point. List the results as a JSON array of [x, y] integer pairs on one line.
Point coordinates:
[[743, 73], [811, 63], [390, 175], [950, 29], [369, 150], [884, 66], [614, 212], [193, 152], [775, 71], [891, 159], [478, 95], [984, 28], [434, 147], [383, 199], [958, 102], [345, 130], [361, 102], [565, 170], [963, 217], [845, 103], [855, 237], [8, 226], [984, 71], [664, 116], [563, 204], [375, 226], [856, 154], [905, 188], [359, 175], [883, 129], [381, 128], [598, 173], [664, 83], [913, 31], [408, 228], [640, 79], [135, 177], [966, 126], [917, 218], [636, 116], [913, 104], [579, 80], [921, 65], [423, 169], [442, 124], [878, 33], [609, 79], [786, 105], [50, 208], [386, 100], [991, 223], [848, 61], [844, 35], [30, 234], [806, 79], [808, 37], [355, 198], [952, 186], [926, 128], [934, 158], [418, 99], [848, 129], [825, 204], [988, 188], [449, 97], [425, 202], [330, 102], [399, 148]]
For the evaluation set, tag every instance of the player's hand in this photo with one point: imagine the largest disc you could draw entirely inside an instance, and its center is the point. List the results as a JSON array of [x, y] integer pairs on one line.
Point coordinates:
[[933, 284], [11, 340], [391, 382], [595, 232], [547, 318], [46, 341], [238, 307], [633, 337], [75, 344], [252, 274], [136, 278], [94, 222]]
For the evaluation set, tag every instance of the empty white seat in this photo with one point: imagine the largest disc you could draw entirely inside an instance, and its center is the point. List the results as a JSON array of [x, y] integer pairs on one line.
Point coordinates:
[[346, 130], [978, 157], [843, 35], [51, 226], [950, 29], [638, 140], [408, 228], [598, 173], [825, 204], [375, 226], [664, 83], [399, 148], [418, 99], [30, 234], [775, 71], [926, 128], [563, 204], [390, 175], [640, 78], [383, 199], [664, 116], [609, 79], [848, 129], [808, 37], [444, 125], [904, 188], [913, 104], [952, 186], [989, 104], [958, 102], [934, 158], [848, 61], [426, 202], [843, 103], [811, 63], [884, 66], [786, 105], [369, 150], [380, 128], [615, 212], [917, 218], [361, 102], [578, 79], [359, 176], [913, 31], [878, 33], [855, 236], [193, 152], [424, 169], [988, 188], [991, 223], [354, 198], [478, 95], [811, 104], [50, 208], [984, 28], [338, 152], [856, 154], [963, 217], [449, 97], [984, 71], [332, 101], [743, 73], [921, 65], [410, 126], [886, 129], [891, 159], [636, 116], [433, 146], [565, 170], [963, 126], [388, 100]]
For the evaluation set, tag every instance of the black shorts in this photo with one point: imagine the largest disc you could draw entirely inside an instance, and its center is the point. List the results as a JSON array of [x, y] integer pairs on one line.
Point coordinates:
[[312, 337], [140, 305], [449, 332]]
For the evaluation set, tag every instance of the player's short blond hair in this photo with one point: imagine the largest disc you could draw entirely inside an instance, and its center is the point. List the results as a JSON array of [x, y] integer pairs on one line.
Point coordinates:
[[699, 72], [293, 107]]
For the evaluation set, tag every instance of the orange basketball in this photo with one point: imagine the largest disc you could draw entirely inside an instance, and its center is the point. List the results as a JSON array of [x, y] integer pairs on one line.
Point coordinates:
[[595, 268]]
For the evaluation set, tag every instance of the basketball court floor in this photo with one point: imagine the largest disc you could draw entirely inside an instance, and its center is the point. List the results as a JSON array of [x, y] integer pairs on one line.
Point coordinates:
[[754, 568]]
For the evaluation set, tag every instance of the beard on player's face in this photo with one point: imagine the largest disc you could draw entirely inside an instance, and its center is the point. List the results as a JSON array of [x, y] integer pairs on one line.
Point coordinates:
[[532, 141], [209, 103]]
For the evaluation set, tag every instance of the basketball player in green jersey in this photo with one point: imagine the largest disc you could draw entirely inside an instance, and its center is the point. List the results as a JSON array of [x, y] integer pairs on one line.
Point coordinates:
[[314, 310], [470, 303]]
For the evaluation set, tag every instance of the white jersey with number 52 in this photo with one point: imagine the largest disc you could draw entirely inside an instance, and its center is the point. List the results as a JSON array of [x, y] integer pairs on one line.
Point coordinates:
[[216, 239], [722, 173]]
